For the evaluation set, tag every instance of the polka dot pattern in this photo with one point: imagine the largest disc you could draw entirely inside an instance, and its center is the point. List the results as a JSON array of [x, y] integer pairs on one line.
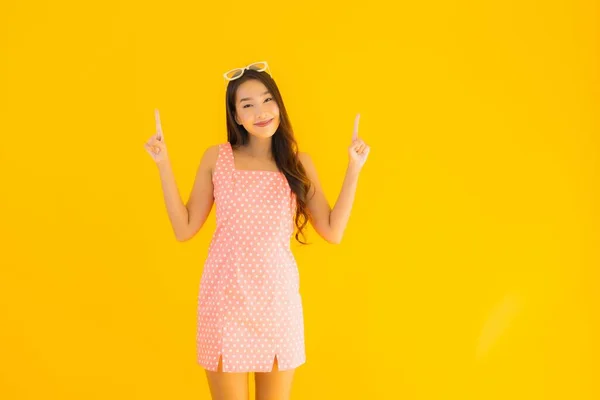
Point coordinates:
[[249, 304]]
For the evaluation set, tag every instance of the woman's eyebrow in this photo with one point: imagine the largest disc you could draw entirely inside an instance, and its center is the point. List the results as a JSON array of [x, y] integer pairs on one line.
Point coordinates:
[[250, 98]]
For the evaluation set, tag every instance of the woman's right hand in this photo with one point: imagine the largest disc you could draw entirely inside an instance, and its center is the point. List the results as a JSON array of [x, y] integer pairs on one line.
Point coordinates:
[[155, 146]]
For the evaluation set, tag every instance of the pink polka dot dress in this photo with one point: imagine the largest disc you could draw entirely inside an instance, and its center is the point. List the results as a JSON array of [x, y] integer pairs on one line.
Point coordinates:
[[249, 304]]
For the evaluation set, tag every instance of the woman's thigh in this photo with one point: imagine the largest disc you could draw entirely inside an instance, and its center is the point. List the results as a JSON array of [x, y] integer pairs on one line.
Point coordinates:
[[274, 385], [227, 385]]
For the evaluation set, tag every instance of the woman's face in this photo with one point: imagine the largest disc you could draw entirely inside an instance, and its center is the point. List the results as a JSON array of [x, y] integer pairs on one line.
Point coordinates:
[[254, 105]]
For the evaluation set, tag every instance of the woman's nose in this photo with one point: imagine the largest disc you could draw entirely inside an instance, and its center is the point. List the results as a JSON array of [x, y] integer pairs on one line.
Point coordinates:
[[261, 112]]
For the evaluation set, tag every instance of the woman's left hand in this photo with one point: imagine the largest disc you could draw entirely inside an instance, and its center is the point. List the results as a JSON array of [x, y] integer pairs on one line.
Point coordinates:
[[358, 150]]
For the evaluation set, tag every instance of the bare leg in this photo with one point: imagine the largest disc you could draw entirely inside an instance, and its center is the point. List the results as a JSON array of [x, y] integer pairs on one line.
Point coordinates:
[[227, 385], [275, 385]]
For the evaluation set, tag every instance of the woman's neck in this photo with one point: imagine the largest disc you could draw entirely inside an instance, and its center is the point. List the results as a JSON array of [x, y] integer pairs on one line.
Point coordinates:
[[259, 148]]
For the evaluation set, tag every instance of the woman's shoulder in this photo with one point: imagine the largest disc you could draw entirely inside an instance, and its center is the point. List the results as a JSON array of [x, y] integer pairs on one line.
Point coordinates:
[[309, 166], [305, 159], [213, 150], [211, 153]]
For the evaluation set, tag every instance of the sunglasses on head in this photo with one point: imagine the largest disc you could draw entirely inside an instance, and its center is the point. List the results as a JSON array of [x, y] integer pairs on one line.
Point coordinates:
[[238, 72]]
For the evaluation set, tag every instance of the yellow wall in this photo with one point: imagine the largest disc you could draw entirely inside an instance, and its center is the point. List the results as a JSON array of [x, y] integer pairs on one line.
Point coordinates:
[[469, 269]]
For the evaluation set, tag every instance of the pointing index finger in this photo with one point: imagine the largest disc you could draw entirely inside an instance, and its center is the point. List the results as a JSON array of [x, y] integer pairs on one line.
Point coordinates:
[[158, 124], [355, 132]]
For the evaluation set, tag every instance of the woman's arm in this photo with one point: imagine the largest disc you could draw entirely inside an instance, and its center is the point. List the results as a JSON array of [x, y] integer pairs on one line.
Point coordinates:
[[330, 223], [187, 219]]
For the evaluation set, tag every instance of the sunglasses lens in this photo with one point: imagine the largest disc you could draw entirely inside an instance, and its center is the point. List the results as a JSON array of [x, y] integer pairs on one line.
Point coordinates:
[[259, 66], [235, 73]]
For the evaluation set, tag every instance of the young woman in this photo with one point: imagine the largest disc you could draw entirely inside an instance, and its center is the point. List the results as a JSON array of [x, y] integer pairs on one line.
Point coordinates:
[[250, 316]]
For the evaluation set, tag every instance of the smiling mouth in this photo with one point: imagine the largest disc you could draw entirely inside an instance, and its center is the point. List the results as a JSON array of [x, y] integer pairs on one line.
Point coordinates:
[[265, 123]]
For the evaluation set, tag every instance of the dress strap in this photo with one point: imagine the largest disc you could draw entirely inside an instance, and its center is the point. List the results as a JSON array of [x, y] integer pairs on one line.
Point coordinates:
[[225, 163], [223, 176]]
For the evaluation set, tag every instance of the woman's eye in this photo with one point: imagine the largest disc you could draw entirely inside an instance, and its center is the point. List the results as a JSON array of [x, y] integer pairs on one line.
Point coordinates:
[[268, 98]]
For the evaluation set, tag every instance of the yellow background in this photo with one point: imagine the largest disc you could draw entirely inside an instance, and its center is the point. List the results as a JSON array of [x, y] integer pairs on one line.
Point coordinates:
[[469, 268]]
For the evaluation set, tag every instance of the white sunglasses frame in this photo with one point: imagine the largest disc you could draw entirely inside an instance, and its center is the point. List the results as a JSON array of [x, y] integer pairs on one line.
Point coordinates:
[[247, 67]]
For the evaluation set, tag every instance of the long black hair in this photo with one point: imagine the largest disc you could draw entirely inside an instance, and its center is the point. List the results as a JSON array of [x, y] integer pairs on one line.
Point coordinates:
[[284, 145]]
